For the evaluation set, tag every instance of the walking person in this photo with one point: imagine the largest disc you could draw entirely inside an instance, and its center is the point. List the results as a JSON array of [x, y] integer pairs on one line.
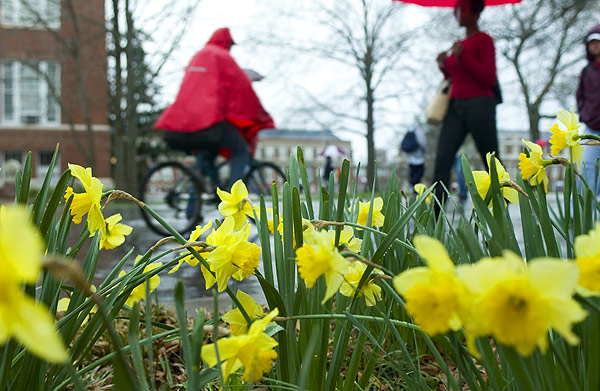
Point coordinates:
[[474, 93], [588, 104], [414, 145]]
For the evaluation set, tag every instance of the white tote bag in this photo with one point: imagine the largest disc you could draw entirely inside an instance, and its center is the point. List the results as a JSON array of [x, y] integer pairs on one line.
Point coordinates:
[[438, 106]]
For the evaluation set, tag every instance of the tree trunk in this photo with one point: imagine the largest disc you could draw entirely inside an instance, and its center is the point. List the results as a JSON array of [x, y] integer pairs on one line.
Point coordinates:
[[533, 113], [118, 145], [131, 109]]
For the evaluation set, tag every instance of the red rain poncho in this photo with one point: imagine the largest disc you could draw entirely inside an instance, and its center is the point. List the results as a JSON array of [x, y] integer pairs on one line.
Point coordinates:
[[215, 89]]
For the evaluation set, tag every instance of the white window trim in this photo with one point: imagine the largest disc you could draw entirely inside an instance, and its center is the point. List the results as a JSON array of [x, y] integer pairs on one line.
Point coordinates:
[[17, 71], [19, 8]]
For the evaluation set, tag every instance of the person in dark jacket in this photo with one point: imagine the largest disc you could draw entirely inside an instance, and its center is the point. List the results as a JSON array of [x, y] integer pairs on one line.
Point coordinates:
[[215, 108], [471, 67], [588, 103]]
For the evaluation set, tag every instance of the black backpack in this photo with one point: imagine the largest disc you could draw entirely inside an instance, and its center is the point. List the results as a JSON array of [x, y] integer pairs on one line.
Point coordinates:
[[409, 142]]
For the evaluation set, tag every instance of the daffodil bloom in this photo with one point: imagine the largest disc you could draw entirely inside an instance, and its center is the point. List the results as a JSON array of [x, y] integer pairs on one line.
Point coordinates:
[[233, 256], [236, 204], [363, 213], [347, 238], [483, 181], [587, 258], [139, 292], [319, 257], [189, 258], [370, 290], [434, 295], [87, 202], [420, 188], [21, 317], [63, 305], [306, 225], [255, 351], [534, 166], [517, 302], [569, 138], [114, 233], [237, 322]]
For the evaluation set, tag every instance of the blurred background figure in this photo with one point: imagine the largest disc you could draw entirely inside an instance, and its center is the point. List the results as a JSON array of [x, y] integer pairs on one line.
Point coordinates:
[[414, 145], [588, 104]]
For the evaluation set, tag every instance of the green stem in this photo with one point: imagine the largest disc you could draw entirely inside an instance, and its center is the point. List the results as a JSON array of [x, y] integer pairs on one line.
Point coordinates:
[[342, 316]]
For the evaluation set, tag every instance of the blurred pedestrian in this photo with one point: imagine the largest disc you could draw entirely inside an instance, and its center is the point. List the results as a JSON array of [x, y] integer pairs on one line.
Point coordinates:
[[460, 179], [414, 145], [328, 169], [474, 93], [588, 104]]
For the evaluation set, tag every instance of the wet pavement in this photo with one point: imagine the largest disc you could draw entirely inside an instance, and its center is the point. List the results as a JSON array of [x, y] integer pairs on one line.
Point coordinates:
[[143, 238]]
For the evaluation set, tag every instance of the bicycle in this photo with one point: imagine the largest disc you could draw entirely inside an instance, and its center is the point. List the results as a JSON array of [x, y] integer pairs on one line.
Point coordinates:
[[177, 190]]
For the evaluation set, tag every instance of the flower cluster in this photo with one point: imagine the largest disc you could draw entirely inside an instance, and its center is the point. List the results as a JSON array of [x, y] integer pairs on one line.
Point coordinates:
[[565, 135], [319, 256], [514, 301], [254, 350], [112, 233]]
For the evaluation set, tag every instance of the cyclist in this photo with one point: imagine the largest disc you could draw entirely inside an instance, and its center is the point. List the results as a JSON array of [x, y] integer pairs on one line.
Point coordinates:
[[216, 110]]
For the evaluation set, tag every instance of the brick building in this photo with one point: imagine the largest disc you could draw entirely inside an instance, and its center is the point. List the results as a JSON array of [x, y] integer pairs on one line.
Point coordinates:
[[276, 145], [53, 85]]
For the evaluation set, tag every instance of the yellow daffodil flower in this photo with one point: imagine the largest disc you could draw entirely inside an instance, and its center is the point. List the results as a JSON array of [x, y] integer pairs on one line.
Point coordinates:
[[370, 290], [236, 204], [114, 233], [533, 166], [254, 351], [587, 258], [139, 292], [363, 213], [63, 305], [517, 302], [569, 138], [237, 322], [347, 238], [87, 202], [234, 256], [434, 295], [420, 188], [318, 257], [189, 258], [21, 317], [483, 182]]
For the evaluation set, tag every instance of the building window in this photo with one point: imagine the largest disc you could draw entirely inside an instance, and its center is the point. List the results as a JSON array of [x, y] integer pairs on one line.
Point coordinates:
[[31, 13], [27, 96], [13, 161], [44, 160]]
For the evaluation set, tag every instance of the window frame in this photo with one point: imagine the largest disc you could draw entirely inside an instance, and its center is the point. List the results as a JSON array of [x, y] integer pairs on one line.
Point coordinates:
[[44, 110], [17, 17]]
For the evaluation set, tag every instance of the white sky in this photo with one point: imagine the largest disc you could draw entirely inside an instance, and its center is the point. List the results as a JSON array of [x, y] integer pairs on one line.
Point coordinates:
[[283, 86]]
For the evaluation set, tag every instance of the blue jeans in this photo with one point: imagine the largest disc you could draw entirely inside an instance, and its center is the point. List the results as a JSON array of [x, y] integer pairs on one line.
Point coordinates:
[[590, 154]]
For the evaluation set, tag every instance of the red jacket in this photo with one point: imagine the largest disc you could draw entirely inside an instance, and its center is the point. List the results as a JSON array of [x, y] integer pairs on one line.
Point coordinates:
[[215, 89], [473, 71]]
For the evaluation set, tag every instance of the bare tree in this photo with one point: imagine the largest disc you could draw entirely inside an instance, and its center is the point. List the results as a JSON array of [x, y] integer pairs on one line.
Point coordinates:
[[132, 77], [361, 38], [541, 39]]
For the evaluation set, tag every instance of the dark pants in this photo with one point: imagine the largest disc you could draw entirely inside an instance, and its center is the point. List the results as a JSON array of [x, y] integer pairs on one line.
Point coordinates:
[[474, 115], [210, 141], [415, 173]]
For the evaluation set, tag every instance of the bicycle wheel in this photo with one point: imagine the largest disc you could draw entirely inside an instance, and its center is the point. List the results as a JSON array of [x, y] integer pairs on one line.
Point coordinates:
[[261, 178], [173, 191]]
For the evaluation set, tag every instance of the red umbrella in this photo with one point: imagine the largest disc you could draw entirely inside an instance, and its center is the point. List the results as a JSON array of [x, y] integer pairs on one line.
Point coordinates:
[[451, 3]]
